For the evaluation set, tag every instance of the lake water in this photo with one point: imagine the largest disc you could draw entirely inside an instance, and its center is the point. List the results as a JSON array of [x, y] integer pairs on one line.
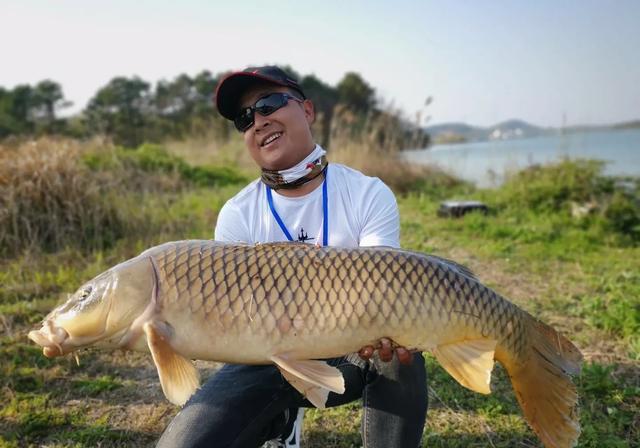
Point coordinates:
[[487, 163]]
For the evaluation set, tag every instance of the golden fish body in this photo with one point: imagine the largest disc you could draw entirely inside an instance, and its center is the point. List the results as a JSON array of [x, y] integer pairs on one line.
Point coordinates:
[[290, 303]]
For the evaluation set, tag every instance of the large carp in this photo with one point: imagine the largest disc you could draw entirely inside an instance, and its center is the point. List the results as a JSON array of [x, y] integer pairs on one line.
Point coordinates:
[[292, 304]]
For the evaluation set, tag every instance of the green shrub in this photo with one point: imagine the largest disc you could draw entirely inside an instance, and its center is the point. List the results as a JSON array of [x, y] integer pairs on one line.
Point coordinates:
[[553, 187], [155, 159], [579, 192], [623, 215]]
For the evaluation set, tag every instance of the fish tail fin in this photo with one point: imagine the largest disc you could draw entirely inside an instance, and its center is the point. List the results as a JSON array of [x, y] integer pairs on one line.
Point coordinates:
[[543, 385]]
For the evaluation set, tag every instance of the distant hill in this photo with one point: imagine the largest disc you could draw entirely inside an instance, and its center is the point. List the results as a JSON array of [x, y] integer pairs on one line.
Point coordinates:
[[455, 133], [458, 132], [509, 129], [628, 125]]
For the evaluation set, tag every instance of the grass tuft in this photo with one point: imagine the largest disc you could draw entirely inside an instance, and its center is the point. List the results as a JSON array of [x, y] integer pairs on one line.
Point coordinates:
[[55, 194], [95, 386]]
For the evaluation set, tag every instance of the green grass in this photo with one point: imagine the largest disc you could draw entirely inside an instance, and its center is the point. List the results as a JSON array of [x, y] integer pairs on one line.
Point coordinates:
[[95, 386], [151, 158], [581, 274], [609, 406]]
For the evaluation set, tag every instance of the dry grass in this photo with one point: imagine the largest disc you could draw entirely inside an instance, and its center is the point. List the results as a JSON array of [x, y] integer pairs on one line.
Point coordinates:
[[208, 150], [374, 144], [399, 175], [48, 198], [56, 193], [384, 130]]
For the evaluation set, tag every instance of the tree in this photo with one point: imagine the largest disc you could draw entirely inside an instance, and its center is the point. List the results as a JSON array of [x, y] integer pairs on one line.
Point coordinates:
[[175, 99], [324, 98], [184, 106], [355, 93], [120, 110], [28, 110], [206, 119], [46, 99], [172, 105], [20, 107], [7, 120]]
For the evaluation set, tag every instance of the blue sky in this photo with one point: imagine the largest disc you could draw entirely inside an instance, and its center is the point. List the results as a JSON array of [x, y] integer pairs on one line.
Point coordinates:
[[482, 62]]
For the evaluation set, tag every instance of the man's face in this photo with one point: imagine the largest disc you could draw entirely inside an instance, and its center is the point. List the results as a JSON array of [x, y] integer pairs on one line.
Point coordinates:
[[289, 124]]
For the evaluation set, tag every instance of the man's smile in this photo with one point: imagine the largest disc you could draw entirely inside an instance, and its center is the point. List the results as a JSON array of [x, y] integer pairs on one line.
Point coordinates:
[[270, 139]]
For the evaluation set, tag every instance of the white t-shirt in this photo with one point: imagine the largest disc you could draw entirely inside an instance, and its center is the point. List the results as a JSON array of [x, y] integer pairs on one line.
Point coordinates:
[[362, 211]]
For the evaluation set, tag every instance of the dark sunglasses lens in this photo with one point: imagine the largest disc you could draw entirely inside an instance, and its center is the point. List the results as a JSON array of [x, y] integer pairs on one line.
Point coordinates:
[[244, 120], [264, 106], [271, 103]]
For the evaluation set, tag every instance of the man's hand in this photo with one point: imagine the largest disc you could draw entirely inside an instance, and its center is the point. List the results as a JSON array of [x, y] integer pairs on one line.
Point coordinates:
[[385, 348]]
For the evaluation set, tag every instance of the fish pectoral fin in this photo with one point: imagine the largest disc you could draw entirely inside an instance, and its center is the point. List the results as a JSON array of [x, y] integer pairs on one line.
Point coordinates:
[[470, 362], [313, 379], [178, 376], [315, 394]]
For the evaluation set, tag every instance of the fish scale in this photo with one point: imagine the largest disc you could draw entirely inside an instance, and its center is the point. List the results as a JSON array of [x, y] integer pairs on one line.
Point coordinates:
[[291, 303], [388, 286]]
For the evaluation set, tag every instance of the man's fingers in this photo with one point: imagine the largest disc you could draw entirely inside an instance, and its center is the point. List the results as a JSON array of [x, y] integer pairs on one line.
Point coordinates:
[[385, 355], [386, 351], [385, 344], [366, 352], [404, 356], [385, 348]]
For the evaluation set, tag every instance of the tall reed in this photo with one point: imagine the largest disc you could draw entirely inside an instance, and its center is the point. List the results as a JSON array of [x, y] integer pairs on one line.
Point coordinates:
[[48, 198], [373, 144]]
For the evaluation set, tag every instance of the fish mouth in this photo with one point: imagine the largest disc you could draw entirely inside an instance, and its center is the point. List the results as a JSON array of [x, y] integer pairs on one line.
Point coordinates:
[[52, 339]]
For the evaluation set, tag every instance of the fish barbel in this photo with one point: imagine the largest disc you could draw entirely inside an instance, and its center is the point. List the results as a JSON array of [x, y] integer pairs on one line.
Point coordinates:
[[294, 304]]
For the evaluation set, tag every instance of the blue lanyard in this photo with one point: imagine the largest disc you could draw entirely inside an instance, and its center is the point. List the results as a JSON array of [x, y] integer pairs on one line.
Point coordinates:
[[325, 213]]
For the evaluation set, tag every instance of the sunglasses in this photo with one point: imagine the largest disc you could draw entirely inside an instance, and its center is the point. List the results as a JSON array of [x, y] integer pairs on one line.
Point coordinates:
[[264, 106]]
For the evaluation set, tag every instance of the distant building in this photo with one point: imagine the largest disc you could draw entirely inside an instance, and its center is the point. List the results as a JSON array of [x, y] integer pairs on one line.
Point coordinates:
[[499, 134]]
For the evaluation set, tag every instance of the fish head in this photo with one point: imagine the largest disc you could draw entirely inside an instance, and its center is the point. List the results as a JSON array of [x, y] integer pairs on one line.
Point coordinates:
[[100, 312]]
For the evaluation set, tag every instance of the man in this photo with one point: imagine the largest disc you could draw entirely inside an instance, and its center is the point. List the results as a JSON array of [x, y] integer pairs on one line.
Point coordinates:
[[300, 197]]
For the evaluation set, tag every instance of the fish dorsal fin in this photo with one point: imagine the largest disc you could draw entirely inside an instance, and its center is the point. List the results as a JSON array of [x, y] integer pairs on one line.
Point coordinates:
[[460, 268], [178, 376], [470, 362], [313, 379]]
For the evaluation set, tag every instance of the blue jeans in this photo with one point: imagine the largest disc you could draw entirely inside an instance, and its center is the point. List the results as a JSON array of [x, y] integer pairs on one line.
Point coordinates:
[[244, 406]]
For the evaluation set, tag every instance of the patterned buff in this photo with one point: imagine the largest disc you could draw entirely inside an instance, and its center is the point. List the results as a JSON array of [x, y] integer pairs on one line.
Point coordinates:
[[311, 167]]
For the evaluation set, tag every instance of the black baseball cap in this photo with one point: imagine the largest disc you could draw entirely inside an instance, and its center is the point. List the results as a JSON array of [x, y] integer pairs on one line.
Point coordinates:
[[231, 87]]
